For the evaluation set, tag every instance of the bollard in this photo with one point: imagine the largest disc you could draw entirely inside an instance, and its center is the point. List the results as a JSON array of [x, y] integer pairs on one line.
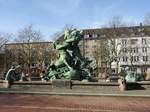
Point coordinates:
[[6, 84], [122, 84]]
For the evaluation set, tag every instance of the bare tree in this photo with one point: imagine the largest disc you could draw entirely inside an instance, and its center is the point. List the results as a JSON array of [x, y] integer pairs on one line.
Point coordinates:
[[59, 34], [116, 21], [27, 49], [29, 34], [68, 27], [108, 47], [100, 53], [4, 38], [147, 19], [112, 34]]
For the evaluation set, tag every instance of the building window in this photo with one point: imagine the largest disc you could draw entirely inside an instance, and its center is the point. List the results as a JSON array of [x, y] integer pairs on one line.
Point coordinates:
[[131, 50], [113, 71], [90, 35], [94, 41], [132, 34], [86, 46], [145, 58], [143, 41], [86, 40], [133, 41], [124, 41], [134, 50], [144, 49], [103, 35], [135, 58], [144, 69], [94, 46], [124, 50], [124, 59], [123, 35], [94, 35], [142, 33], [86, 36]]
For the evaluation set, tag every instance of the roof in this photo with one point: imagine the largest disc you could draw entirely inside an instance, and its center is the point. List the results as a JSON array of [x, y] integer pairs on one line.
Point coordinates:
[[116, 32]]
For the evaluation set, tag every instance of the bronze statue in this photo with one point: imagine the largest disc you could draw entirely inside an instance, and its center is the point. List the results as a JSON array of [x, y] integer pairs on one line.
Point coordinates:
[[70, 64]]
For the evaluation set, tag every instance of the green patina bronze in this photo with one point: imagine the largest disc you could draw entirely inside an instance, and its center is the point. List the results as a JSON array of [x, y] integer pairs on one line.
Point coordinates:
[[13, 74], [71, 64], [131, 76]]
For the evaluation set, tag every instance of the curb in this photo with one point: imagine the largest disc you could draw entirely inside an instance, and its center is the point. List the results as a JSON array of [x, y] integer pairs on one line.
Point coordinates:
[[74, 94]]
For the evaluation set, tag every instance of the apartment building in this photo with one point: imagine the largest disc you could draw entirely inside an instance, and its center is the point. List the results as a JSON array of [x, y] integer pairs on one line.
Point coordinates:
[[136, 53], [117, 48], [31, 56]]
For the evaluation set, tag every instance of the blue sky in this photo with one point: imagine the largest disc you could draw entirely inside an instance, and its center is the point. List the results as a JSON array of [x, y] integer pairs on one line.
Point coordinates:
[[51, 16]]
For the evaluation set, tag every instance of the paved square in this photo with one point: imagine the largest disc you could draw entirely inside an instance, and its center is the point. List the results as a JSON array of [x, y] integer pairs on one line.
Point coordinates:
[[53, 103]]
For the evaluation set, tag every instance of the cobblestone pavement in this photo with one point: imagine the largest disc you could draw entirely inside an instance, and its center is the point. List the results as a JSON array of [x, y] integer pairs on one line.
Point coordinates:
[[53, 103]]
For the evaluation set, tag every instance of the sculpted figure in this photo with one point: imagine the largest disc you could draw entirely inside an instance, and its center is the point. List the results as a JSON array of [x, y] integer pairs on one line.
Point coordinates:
[[131, 76], [70, 64], [13, 74]]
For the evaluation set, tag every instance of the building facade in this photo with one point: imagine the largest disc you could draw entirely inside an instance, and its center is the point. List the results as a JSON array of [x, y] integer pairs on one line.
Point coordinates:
[[31, 56], [136, 53], [116, 48]]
